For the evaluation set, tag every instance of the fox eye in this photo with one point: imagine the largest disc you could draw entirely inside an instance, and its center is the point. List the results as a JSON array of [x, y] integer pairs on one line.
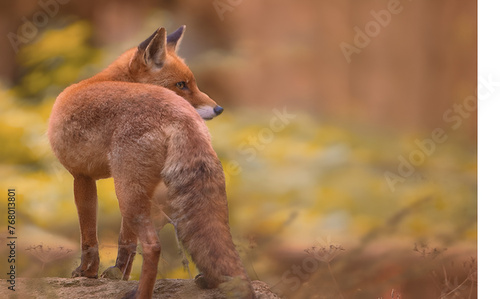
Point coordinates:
[[181, 85]]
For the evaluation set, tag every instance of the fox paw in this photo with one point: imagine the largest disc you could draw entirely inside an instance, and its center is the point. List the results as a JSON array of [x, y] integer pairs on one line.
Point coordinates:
[[201, 281], [113, 273], [78, 272], [205, 282]]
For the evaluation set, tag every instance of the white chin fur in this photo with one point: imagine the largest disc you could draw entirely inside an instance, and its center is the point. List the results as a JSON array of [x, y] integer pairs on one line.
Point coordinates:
[[206, 112]]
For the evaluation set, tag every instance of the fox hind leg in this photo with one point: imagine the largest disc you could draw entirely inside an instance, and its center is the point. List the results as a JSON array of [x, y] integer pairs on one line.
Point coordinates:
[[85, 191], [135, 206], [127, 245]]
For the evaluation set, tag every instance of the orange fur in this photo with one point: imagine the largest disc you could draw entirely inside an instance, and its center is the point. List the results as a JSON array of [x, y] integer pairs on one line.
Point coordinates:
[[123, 123]]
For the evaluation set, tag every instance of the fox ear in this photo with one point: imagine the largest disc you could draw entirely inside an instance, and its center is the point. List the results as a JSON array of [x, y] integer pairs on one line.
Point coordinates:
[[175, 38], [153, 49]]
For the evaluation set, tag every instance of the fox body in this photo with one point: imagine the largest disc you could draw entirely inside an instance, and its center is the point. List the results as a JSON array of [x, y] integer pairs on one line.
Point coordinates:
[[136, 123]]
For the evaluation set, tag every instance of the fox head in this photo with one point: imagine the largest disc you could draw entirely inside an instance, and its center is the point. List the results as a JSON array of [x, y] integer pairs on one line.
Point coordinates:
[[155, 61]]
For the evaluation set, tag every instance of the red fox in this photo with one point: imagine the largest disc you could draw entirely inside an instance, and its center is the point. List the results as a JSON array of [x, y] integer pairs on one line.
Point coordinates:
[[139, 122]]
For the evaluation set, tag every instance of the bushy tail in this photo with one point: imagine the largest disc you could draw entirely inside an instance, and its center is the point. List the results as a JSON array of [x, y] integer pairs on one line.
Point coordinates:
[[197, 199]]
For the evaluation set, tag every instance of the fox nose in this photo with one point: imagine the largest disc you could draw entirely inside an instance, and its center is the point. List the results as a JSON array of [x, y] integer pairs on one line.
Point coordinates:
[[218, 110]]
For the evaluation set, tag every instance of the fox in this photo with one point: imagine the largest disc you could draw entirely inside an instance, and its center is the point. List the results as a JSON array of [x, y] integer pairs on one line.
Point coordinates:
[[141, 122]]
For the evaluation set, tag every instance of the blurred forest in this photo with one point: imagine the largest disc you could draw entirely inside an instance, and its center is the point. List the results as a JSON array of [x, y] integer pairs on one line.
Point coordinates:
[[348, 175]]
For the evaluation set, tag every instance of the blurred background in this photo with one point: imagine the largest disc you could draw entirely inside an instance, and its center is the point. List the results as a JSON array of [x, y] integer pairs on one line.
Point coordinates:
[[348, 136]]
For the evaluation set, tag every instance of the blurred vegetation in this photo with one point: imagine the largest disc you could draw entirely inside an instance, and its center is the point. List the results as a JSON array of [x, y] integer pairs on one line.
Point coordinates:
[[56, 60], [315, 178]]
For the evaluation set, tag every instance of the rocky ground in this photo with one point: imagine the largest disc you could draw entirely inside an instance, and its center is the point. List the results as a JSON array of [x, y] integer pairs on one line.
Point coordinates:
[[54, 287]]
